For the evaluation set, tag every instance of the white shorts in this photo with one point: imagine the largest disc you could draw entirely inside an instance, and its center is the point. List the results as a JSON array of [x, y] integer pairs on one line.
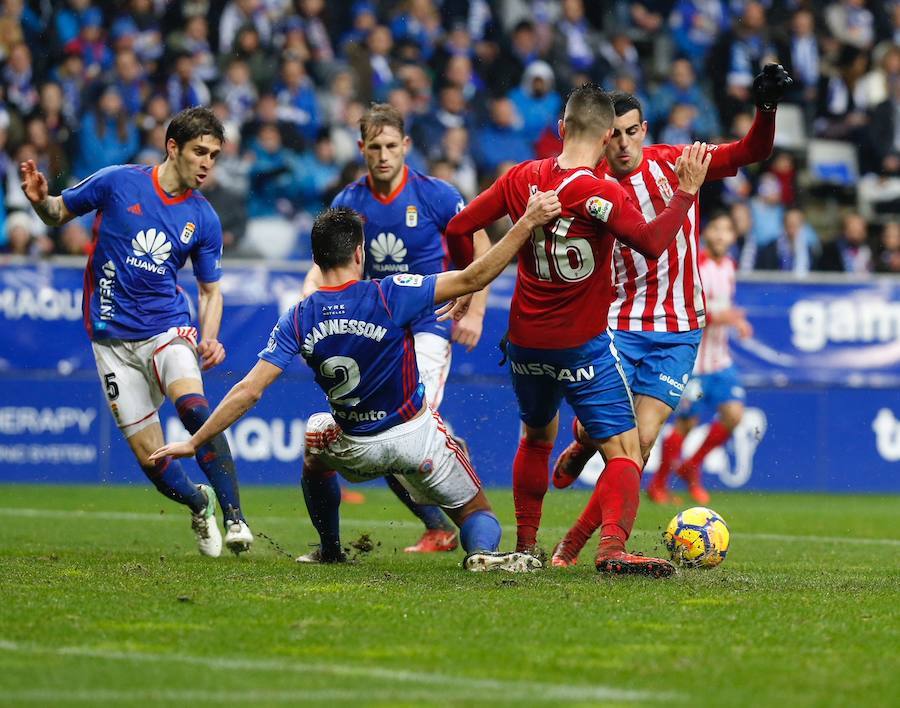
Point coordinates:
[[135, 374], [419, 452], [433, 354]]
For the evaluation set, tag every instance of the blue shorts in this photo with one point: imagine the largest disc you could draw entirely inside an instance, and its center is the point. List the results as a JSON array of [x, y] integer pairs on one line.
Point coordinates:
[[589, 377], [706, 392], [658, 364]]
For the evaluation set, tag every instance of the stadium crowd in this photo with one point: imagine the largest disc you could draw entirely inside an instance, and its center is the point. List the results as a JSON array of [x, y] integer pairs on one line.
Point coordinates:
[[481, 84]]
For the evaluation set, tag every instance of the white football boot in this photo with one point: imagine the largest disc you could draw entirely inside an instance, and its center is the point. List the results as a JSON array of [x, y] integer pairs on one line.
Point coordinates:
[[484, 561], [209, 538], [238, 537]]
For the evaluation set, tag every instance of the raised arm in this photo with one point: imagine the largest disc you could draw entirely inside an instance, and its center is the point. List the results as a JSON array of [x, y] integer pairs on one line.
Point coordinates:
[[542, 207], [241, 398], [480, 213], [651, 239], [51, 210]]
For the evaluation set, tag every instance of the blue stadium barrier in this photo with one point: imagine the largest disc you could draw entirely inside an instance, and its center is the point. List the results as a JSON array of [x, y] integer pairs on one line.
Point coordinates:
[[822, 371]]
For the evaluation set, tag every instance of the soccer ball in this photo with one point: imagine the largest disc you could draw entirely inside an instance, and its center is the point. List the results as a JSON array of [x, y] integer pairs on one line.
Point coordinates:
[[697, 537]]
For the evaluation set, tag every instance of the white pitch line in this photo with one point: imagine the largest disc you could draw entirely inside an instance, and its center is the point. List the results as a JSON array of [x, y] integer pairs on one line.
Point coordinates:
[[506, 689], [400, 524]]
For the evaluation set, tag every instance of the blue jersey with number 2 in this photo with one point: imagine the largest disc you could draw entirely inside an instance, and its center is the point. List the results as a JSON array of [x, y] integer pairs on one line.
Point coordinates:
[[358, 341]]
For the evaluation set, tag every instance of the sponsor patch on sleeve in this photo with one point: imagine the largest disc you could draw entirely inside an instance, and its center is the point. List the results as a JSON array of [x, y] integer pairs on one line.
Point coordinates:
[[599, 208], [409, 280]]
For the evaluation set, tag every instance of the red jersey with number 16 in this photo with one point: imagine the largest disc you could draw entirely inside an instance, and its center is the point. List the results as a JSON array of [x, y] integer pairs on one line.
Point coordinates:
[[563, 290]]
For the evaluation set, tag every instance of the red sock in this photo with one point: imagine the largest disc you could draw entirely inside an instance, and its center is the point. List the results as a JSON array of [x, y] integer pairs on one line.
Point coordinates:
[[612, 506], [671, 452], [716, 436], [531, 477]]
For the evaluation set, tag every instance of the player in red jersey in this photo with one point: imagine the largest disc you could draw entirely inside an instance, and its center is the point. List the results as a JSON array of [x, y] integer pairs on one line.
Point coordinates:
[[557, 352], [659, 309], [714, 388]]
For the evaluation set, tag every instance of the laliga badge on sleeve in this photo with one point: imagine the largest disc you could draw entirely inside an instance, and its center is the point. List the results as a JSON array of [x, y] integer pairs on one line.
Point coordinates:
[[409, 280], [599, 208]]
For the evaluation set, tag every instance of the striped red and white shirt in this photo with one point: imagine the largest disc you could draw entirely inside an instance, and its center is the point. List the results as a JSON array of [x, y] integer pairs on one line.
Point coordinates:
[[666, 295], [718, 284]]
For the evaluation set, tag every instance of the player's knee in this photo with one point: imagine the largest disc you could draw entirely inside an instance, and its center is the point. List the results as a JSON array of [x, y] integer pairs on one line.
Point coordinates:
[[731, 415]]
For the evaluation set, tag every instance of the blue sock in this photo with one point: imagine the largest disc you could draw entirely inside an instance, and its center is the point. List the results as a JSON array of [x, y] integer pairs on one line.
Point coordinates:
[[480, 532], [322, 494], [429, 514], [214, 458], [169, 478]]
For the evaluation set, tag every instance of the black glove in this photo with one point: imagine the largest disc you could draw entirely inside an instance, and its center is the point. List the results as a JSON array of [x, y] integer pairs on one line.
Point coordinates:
[[770, 86]]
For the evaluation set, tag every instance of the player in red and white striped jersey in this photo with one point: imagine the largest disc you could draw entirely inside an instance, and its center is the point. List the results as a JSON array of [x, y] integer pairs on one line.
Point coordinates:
[[714, 388], [660, 310]]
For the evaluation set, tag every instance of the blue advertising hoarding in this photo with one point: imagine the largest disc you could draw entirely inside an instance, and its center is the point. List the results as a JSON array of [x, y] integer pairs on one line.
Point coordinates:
[[823, 368]]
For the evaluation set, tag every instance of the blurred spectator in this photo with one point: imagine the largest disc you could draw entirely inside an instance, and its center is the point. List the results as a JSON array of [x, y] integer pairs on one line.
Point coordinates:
[[744, 250], [51, 112], [535, 99], [270, 233], [839, 115], [767, 211], [889, 249], [851, 23], [263, 65], [148, 44], [230, 205], [364, 21], [238, 92], [26, 236], [679, 128], [501, 139], [194, 40], [741, 55], [849, 252], [297, 102], [372, 63], [128, 77], [790, 251], [618, 56], [90, 44], [451, 112], [577, 41], [184, 88], [785, 171], [885, 133], [316, 35], [875, 86], [516, 54], [696, 26], [18, 76], [67, 21], [106, 137], [420, 24], [456, 154], [682, 88], [51, 156], [72, 80], [460, 73], [316, 172], [75, 238], [799, 53], [238, 13]]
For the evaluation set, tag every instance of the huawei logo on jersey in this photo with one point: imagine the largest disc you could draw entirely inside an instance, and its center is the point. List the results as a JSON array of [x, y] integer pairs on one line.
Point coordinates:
[[387, 245], [152, 243]]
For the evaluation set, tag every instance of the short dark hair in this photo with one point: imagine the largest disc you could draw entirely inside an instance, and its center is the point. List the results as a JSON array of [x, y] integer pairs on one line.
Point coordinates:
[[623, 102], [335, 235], [588, 110], [194, 123], [378, 117]]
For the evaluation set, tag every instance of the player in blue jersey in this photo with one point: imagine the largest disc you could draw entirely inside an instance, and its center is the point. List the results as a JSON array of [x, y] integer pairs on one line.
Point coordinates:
[[404, 216], [357, 337], [148, 221]]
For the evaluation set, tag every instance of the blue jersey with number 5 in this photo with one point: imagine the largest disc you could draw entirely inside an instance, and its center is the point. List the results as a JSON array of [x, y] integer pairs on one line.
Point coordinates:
[[142, 237], [358, 341]]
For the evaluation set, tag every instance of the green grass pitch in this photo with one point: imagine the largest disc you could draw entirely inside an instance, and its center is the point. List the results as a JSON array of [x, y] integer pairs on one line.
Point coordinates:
[[104, 600]]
